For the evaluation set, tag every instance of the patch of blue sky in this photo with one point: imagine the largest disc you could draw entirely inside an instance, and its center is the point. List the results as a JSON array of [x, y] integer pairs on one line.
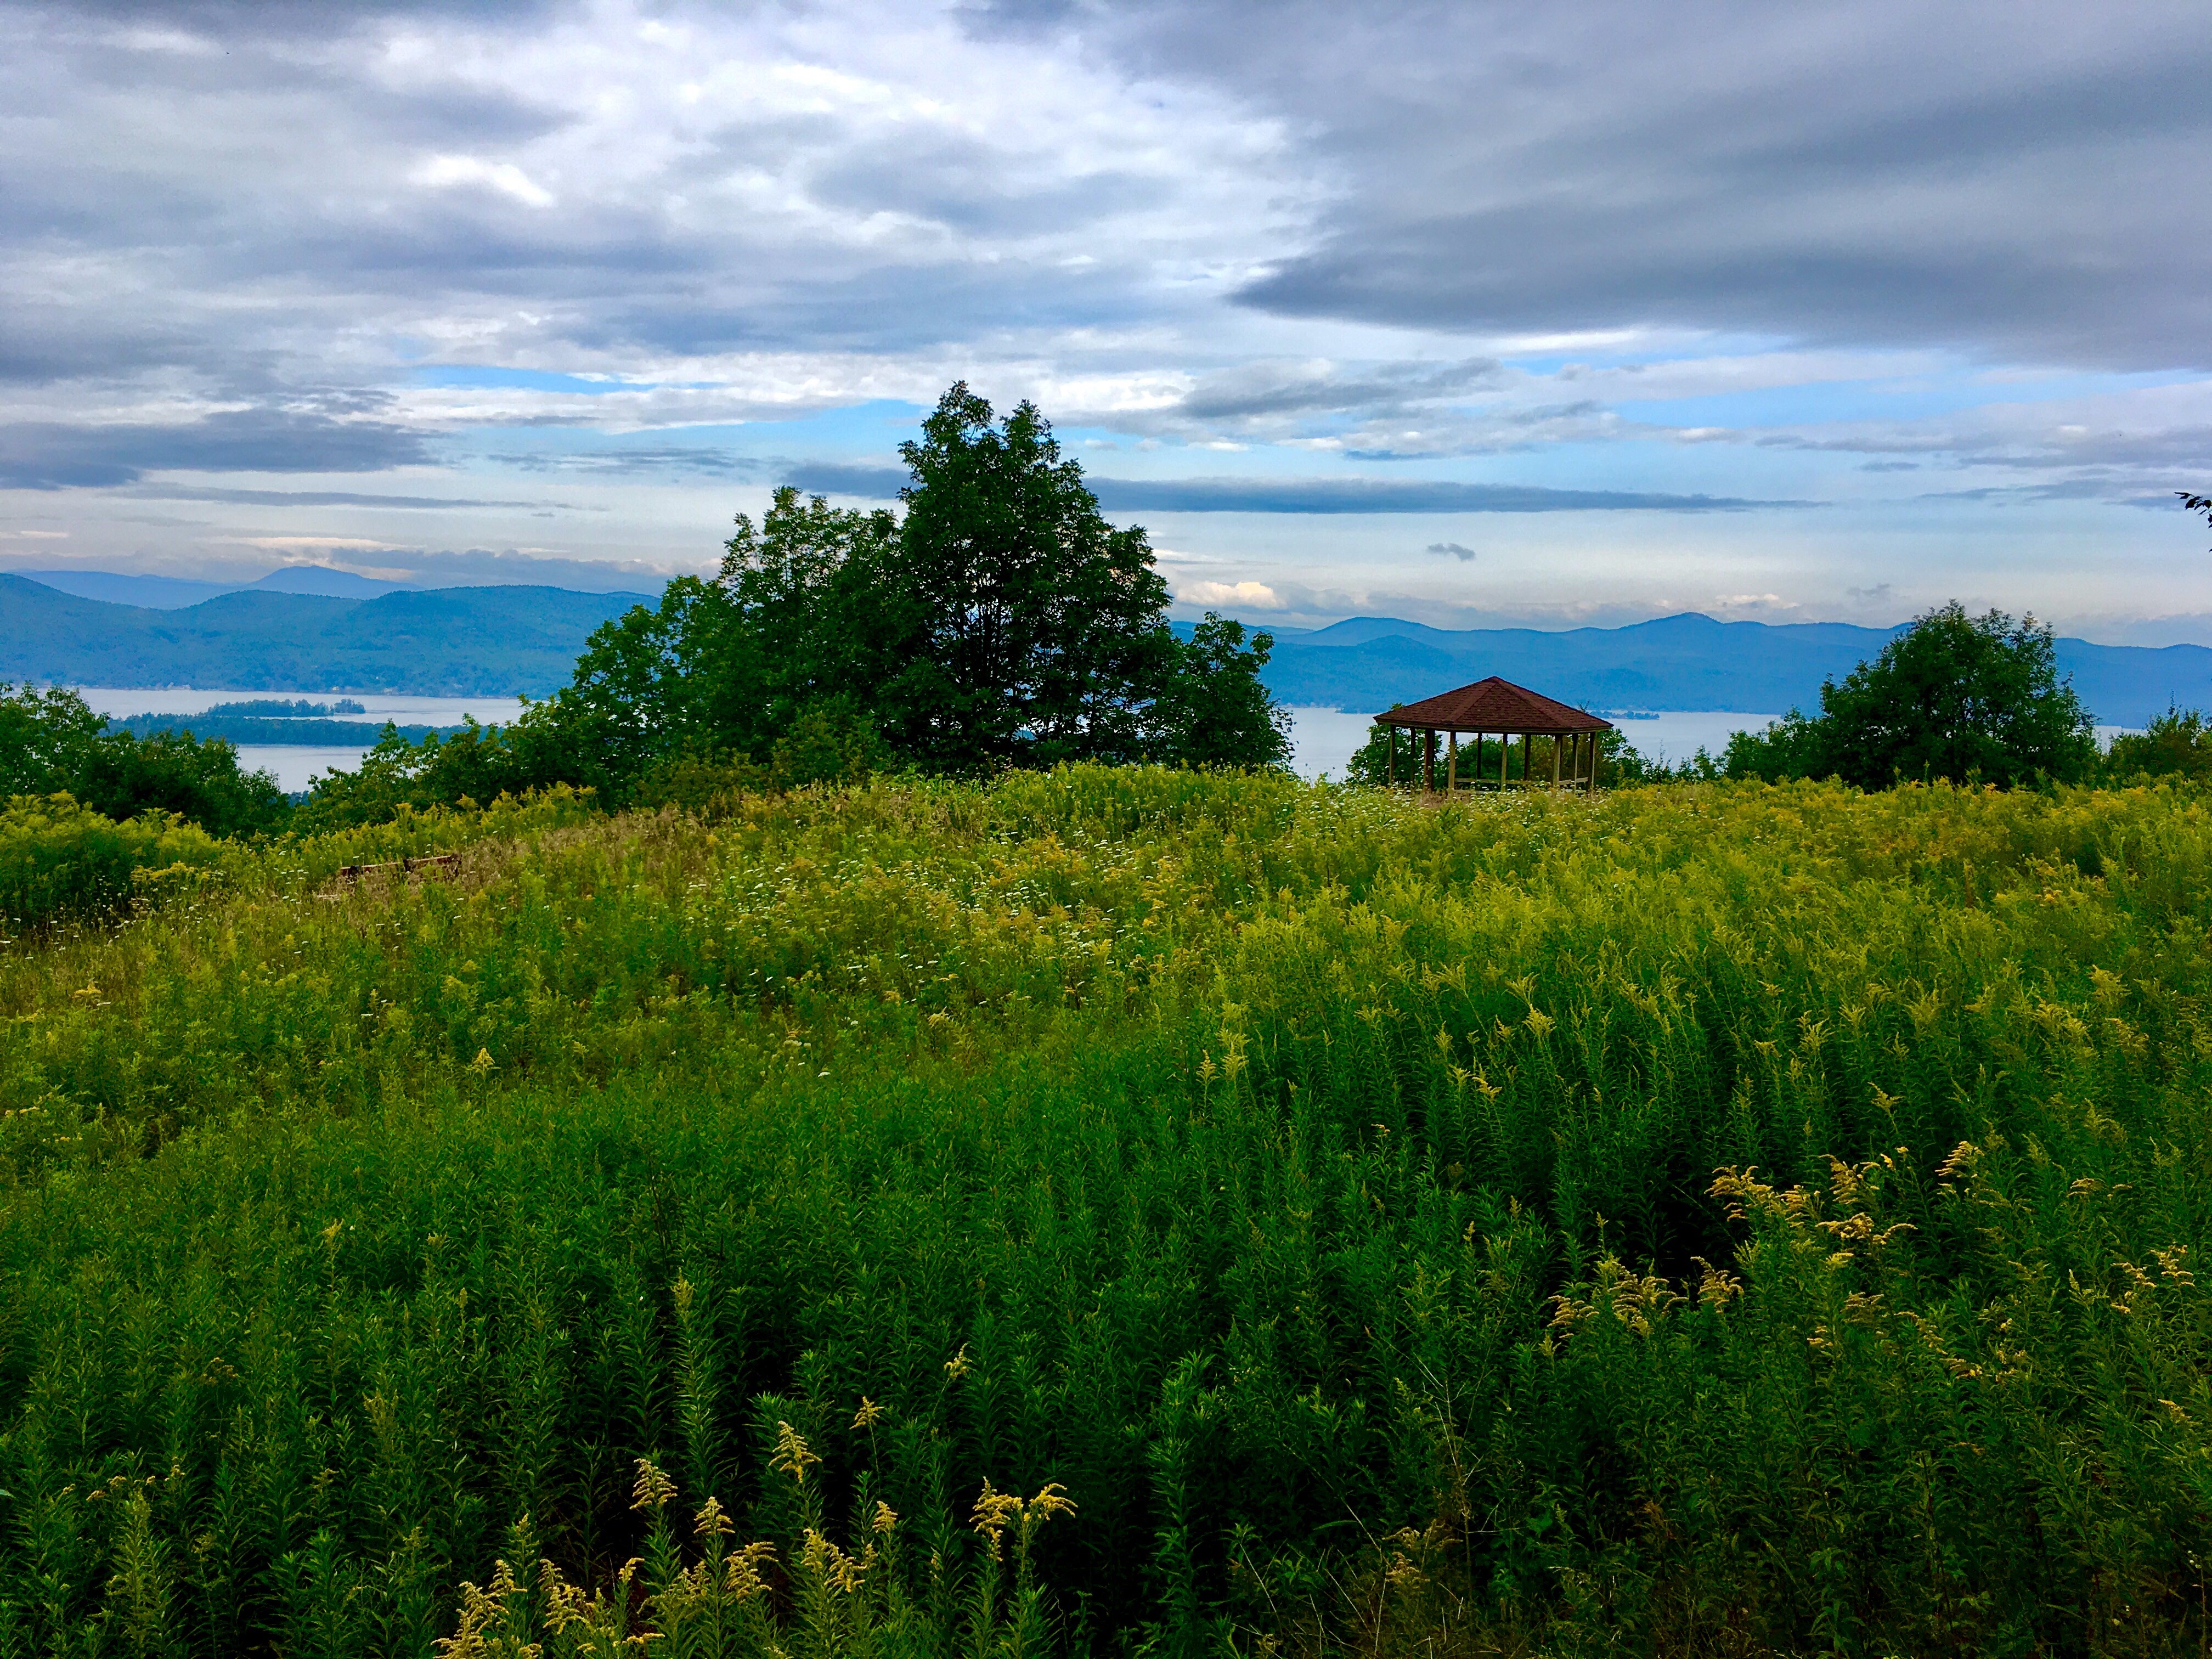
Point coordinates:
[[870, 430]]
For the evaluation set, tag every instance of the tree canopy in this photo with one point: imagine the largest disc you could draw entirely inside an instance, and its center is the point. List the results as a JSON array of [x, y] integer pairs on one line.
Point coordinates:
[[52, 742], [1026, 629], [1972, 699]]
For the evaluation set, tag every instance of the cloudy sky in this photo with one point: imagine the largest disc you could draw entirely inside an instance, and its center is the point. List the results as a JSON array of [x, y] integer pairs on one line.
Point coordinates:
[[1469, 311]]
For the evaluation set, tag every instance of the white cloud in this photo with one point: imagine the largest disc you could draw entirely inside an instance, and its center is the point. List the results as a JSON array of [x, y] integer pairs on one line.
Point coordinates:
[[1256, 596], [442, 171]]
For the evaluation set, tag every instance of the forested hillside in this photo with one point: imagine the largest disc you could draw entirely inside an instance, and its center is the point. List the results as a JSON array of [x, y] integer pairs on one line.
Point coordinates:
[[451, 641]]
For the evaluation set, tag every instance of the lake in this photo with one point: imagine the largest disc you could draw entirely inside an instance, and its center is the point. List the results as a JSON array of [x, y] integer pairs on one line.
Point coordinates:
[[297, 765], [1322, 739]]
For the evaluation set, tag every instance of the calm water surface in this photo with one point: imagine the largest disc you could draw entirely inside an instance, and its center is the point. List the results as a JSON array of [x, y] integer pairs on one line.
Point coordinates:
[[1322, 739], [297, 765]]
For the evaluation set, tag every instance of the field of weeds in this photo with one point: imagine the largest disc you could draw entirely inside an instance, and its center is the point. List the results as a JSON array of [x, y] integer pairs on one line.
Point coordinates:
[[1124, 1211]]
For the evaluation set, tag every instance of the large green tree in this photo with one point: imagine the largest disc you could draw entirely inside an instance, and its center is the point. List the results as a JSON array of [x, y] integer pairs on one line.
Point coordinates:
[[1024, 626], [1972, 699]]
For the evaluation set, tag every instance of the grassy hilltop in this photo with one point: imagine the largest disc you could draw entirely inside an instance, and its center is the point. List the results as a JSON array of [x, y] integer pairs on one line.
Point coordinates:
[[1708, 1218]]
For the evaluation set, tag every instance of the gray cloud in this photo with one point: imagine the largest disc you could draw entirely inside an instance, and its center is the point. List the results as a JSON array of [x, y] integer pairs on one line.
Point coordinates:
[[1272, 388], [51, 455], [1453, 550], [1395, 496], [164, 218], [1320, 496], [492, 567], [322, 498], [2126, 493], [875, 483], [654, 460], [2004, 180]]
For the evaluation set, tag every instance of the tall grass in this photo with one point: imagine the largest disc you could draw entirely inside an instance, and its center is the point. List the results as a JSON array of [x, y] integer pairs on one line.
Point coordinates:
[[1714, 1219]]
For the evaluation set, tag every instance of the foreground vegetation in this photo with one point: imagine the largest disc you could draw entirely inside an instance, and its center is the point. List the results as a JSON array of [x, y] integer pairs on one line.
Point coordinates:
[[1315, 1189]]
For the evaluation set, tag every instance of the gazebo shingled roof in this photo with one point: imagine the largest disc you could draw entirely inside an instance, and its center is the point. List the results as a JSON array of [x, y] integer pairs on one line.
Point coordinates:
[[1493, 705]]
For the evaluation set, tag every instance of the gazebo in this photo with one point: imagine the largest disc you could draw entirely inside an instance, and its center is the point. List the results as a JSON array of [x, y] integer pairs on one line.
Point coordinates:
[[1509, 711]]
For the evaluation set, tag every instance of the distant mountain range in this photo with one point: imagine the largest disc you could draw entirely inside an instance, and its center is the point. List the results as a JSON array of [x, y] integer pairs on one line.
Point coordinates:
[[175, 593], [1685, 662], [445, 641], [499, 641]]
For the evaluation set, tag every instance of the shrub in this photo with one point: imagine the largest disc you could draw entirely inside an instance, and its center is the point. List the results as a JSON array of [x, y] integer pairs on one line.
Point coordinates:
[[1966, 699], [50, 741], [60, 859], [833, 740], [2177, 744]]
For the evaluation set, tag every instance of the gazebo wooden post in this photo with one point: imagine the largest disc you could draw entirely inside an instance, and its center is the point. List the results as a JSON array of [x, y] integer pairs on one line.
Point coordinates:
[[1429, 761], [1556, 736], [1504, 755], [1451, 765], [1391, 776]]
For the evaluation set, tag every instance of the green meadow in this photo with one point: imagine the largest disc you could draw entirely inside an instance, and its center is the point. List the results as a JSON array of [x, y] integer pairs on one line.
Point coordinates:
[[1118, 1211]]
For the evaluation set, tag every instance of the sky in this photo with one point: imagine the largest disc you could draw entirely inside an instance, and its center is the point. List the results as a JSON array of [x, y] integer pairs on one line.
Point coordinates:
[[1479, 314]]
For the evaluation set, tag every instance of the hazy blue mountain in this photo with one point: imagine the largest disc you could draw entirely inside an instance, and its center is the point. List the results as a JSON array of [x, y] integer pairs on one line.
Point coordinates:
[[487, 641], [152, 592], [174, 592], [1685, 662], [321, 579], [450, 642]]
